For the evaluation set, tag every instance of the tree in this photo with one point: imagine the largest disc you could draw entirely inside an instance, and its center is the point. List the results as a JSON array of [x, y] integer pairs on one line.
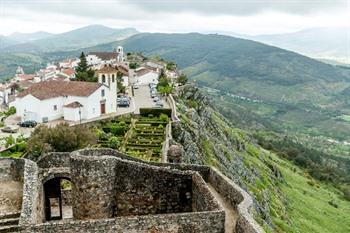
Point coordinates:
[[120, 86], [113, 142], [83, 72], [182, 79], [61, 138]]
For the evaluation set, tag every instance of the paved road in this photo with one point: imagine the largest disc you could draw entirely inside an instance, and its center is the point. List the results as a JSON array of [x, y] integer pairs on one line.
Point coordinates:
[[143, 99]]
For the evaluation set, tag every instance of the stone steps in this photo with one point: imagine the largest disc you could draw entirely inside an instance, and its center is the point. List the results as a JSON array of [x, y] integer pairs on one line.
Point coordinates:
[[9, 222], [9, 228]]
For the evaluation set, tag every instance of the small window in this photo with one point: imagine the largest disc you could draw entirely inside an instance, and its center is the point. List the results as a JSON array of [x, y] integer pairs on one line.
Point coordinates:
[[55, 107], [103, 78], [102, 93], [112, 78], [93, 110]]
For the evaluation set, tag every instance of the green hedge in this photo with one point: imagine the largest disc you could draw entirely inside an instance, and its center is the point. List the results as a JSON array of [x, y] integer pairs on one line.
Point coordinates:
[[145, 112]]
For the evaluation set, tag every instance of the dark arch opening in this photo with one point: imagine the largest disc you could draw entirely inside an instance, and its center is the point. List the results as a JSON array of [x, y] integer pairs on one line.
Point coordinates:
[[58, 198]]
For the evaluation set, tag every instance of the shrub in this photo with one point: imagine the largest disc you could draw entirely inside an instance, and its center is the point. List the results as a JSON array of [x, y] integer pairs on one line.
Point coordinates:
[[163, 117], [145, 112], [346, 192], [113, 142], [62, 138], [9, 141], [10, 111]]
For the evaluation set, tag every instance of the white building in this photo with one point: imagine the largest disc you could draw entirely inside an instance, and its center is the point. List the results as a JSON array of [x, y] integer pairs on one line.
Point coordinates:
[[145, 77], [70, 100], [105, 58]]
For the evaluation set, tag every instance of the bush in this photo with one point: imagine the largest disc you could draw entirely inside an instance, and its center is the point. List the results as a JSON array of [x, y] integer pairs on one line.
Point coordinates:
[[145, 112], [346, 192], [113, 142], [11, 111], [163, 117], [61, 138], [9, 141]]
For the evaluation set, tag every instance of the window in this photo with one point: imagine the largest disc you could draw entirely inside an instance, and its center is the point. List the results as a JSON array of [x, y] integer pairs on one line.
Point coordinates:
[[55, 107], [103, 78], [102, 93], [112, 78]]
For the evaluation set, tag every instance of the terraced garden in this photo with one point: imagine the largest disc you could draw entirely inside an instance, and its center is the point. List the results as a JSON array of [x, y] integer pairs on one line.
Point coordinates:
[[140, 137]]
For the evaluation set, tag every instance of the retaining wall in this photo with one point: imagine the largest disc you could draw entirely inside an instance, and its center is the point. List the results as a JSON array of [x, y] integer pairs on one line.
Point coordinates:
[[199, 222]]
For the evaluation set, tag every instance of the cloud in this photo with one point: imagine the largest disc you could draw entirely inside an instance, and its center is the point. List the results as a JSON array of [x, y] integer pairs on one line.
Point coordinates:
[[244, 16], [239, 7]]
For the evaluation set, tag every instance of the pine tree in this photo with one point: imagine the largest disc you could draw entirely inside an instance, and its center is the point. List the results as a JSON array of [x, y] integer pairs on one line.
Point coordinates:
[[83, 72]]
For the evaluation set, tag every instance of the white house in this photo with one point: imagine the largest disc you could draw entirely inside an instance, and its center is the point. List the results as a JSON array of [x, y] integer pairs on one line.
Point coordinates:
[[105, 58], [71, 100], [145, 77]]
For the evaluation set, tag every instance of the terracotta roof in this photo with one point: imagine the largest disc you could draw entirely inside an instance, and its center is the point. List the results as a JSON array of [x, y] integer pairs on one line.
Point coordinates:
[[143, 72], [24, 77], [68, 72], [55, 88], [105, 55], [75, 104], [107, 69]]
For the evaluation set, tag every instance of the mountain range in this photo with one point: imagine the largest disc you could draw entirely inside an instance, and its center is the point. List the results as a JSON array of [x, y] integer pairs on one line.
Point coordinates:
[[324, 43], [39, 42]]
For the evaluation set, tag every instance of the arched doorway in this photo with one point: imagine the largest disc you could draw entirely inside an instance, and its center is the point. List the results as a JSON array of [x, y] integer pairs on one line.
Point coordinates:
[[57, 193]]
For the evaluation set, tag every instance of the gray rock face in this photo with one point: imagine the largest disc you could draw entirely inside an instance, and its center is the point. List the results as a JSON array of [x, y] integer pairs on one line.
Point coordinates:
[[206, 139]]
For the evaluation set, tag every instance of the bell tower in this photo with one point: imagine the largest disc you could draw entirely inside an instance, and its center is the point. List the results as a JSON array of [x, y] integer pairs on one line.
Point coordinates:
[[107, 76]]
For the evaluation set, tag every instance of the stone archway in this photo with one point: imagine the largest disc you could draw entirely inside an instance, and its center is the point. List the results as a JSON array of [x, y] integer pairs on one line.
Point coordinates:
[[55, 198]]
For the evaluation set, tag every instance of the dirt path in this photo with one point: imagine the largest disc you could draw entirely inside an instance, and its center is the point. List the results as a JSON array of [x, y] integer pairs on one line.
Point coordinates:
[[230, 213], [10, 196]]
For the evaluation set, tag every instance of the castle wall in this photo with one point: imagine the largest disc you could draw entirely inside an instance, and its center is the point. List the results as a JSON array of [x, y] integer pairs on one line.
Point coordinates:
[[94, 186], [142, 189], [199, 222]]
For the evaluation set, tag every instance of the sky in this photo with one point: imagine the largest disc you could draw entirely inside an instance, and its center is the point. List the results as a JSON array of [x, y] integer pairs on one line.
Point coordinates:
[[238, 16]]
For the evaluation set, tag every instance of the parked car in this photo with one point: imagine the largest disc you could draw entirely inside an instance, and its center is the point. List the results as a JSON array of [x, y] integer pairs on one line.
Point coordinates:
[[124, 103], [153, 95], [28, 124], [136, 86], [159, 104], [156, 99], [10, 129]]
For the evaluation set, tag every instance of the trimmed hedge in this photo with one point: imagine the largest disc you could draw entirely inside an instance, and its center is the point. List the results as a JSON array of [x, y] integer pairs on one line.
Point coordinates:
[[145, 112]]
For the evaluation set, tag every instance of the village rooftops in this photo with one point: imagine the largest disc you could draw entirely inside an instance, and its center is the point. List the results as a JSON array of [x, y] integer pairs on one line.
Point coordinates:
[[105, 55], [107, 69], [74, 104], [56, 88]]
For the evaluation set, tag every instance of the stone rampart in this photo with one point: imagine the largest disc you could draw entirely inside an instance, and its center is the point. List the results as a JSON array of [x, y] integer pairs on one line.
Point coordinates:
[[30, 212], [198, 222], [54, 159], [11, 169], [238, 198]]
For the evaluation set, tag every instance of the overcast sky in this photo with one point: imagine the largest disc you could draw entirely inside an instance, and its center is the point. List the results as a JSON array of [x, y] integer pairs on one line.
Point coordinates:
[[240, 16]]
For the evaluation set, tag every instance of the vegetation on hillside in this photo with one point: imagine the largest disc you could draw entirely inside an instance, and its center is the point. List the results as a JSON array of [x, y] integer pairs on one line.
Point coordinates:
[[287, 198]]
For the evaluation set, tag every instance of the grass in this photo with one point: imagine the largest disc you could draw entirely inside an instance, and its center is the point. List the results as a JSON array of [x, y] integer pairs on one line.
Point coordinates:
[[309, 206]]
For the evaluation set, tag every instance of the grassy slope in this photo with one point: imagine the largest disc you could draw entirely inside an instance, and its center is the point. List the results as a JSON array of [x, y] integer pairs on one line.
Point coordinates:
[[289, 200]]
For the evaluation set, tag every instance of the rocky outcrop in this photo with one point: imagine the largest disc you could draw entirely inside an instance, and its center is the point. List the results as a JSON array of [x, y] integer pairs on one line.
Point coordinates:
[[207, 138]]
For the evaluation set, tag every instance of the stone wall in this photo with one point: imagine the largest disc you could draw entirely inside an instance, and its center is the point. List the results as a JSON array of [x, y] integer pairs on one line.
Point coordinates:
[[54, 159], [200, 222], [142, 189], [11, 169], [238, 198], [30, 213], [202, 199], [94, 186]]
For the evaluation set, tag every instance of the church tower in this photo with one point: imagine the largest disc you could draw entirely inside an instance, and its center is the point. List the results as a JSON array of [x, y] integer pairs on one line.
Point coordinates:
[[107, 75], [120, 56]]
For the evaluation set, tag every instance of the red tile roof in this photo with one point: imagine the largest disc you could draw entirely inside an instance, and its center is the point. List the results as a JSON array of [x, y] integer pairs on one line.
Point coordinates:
[[107, 69], [105, 55], [68, 72], [75, 104], [26, 77], [56, 88]]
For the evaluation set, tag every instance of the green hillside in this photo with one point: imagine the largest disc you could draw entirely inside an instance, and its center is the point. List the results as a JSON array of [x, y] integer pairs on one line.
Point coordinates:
[[287, 199]]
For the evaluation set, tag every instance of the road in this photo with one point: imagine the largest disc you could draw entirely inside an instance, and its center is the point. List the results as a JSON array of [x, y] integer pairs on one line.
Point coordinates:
[[143, 99]]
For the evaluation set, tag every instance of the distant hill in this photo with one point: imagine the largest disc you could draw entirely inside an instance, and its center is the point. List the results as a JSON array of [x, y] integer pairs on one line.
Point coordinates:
[[27, 37], [327, 43], [5, 42], [75, 39]]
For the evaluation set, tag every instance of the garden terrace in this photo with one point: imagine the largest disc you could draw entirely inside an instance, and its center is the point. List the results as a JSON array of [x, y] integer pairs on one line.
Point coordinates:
[[141, 137]]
